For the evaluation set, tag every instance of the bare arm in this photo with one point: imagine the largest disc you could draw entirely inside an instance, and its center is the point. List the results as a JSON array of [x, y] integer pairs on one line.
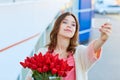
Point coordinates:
[[105, 32]]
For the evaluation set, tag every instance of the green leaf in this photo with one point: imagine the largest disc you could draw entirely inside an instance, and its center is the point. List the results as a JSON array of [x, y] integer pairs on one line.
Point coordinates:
[[44, 76], [37, 76]]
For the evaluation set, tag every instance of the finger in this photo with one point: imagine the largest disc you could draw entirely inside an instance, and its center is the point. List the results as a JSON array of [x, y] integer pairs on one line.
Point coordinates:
[[103, 29], [107, 26], [106, 31], [109, 30]]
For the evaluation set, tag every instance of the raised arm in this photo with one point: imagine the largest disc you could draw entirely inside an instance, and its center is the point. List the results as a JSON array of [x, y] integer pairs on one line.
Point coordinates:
[[105, 30]]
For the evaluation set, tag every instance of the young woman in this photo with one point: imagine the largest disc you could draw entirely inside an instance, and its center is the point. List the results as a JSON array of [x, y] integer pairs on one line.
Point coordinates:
[[64, 41]]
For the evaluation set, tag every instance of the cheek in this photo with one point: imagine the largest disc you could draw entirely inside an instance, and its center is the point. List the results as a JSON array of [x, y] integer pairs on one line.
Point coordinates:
[[73, 32], [74, 29], [61, 29]]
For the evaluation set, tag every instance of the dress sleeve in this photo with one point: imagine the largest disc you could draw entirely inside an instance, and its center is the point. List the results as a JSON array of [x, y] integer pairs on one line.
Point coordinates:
[[86, 55], [29, 75], [91, 55]]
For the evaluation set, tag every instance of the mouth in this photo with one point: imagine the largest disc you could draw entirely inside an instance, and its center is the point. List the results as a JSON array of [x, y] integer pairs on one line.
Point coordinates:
[[68, 30]]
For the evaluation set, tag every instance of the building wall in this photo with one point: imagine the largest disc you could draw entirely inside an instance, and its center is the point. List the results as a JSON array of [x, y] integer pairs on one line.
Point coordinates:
[[19, 21]]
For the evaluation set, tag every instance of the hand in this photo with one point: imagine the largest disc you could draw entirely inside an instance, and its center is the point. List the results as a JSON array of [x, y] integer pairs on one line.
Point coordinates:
[[105, 30]]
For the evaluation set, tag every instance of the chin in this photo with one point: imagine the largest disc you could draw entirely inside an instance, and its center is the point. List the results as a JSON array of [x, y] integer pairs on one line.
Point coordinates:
[[68, 36]]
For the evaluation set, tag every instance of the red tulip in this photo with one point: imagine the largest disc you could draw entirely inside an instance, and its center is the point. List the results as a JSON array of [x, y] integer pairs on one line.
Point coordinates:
[[54, 71], [33, 60], [47, 63], [52, 65], [69, 68], [34, 67], [62, 73], [40, 70], [45, 68], [28, 59], [23, 64], [58, 67], [40, 65]]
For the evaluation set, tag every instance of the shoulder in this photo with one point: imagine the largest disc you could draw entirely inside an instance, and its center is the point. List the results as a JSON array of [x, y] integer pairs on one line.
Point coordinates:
[[81, 47]]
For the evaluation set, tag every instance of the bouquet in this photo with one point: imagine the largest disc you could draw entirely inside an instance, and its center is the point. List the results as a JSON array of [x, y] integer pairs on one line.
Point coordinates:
[[46, 67]]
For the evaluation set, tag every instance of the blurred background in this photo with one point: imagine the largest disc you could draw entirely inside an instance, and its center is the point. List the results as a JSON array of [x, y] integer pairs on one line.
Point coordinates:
[[25, 26]]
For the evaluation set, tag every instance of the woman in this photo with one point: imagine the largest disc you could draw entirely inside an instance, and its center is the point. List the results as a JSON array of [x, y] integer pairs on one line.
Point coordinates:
[[64, 41]]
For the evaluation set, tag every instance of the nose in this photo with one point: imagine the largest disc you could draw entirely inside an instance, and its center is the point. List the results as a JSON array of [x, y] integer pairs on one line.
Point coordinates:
[[69, 25]]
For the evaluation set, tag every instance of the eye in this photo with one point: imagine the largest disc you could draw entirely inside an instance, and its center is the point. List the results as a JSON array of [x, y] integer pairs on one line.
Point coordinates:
[[65, 22], [73, 25]]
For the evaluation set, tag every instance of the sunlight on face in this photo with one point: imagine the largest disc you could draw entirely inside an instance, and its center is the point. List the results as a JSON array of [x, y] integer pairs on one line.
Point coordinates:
[[67, 27]]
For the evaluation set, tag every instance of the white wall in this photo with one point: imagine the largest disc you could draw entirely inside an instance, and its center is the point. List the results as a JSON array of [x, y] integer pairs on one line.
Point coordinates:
[[11, 1], [17, 22], [5, 1]]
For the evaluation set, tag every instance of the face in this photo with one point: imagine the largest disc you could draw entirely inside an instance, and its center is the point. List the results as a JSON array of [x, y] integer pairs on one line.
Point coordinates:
[[67, 27]]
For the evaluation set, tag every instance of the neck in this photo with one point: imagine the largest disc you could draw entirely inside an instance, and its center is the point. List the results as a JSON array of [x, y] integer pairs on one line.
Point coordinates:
[[62, 43]]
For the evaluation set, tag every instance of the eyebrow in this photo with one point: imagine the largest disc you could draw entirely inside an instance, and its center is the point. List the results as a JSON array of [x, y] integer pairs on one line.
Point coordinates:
[[67, 20]]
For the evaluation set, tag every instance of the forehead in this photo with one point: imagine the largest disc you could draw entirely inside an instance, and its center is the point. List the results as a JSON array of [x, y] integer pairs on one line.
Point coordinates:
[[69, 18]]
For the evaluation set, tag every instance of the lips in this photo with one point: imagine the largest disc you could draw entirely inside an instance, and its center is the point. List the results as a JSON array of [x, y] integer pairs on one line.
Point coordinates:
[[68, 30]]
